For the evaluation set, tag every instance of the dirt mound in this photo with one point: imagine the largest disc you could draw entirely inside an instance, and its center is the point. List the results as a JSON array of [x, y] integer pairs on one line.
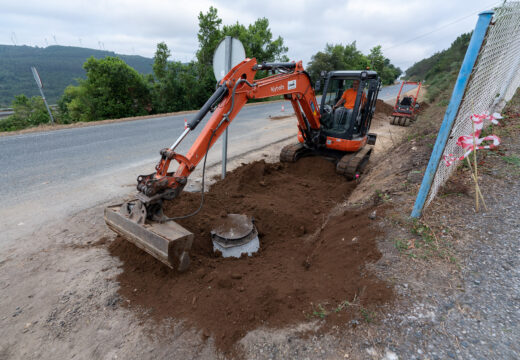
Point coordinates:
[[304, 270], [384, 108], [423, 107]]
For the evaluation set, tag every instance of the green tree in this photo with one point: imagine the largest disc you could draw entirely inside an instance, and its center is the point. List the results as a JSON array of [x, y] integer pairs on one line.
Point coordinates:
[[27, 112], [160, 60], [74, 105], [111, 90], [258, 40], [209, 35], [348, 57], [337, 57], [440, 70], [377, 60]]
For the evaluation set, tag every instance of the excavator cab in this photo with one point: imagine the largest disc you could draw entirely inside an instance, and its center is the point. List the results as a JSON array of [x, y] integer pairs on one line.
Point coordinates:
[[343, 132], [351, 119]]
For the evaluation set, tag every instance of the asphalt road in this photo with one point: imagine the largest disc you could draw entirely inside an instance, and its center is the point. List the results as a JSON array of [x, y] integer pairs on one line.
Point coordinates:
[[388, 93], [53, 173], [36, 161]]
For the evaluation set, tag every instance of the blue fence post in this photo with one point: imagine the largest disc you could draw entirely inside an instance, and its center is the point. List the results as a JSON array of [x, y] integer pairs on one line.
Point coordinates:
[[451, 112]]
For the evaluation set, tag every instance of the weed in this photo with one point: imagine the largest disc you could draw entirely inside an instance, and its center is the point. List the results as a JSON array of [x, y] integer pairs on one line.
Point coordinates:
[[342, 306], [463, 165], [400, 245], [368, 315], [421, 229], [319, 311], [382, 196], [425, 245]]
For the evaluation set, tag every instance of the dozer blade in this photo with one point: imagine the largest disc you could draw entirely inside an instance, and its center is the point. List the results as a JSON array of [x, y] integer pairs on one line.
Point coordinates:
[[168, 242]]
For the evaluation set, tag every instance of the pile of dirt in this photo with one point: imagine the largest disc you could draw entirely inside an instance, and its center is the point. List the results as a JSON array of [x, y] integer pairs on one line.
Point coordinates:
[[423, 107], [387, 109], [383, 108], [309, 266]]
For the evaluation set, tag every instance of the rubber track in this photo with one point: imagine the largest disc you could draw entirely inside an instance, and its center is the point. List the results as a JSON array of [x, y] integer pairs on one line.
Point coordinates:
[[289, 152], [351, 164]]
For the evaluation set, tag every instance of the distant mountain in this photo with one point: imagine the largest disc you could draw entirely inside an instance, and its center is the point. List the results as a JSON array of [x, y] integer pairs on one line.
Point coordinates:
[[58, 66]]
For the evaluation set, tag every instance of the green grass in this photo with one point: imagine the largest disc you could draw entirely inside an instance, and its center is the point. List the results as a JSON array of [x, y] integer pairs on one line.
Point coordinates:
[[512, 159], [382, 196], [424, 244], [321, 312], [400, 245]]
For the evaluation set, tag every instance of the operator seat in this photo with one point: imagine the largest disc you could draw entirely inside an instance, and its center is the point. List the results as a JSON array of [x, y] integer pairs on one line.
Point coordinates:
[[341, 119], [339, 93], [407, 101]]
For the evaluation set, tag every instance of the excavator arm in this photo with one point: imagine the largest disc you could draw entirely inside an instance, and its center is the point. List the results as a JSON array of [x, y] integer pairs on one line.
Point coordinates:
[[233, 92]]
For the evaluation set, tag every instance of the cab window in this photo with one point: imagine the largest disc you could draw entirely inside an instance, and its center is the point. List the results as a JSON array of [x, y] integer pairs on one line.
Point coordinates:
[[335, 89]]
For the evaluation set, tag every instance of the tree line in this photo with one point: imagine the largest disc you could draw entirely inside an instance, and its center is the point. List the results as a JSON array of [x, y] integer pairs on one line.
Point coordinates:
[[112, 89]]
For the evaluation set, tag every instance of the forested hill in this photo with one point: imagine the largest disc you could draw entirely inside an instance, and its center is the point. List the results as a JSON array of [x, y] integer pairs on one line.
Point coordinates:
[[58, 67], [440, 70]]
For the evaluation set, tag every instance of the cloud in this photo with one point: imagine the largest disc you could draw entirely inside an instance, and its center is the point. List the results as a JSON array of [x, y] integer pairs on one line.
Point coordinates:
[[135, 27]]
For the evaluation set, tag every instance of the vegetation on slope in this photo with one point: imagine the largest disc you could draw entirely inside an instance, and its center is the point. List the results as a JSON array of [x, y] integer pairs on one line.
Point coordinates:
[[441, 69]]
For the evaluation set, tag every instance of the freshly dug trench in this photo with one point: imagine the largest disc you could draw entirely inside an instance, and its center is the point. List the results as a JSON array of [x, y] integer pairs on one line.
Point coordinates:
[[299, 265]]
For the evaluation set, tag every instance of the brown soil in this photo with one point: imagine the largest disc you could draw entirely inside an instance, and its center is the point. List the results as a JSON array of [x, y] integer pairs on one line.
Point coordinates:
[[384, 108], [424, 106], [308, 266]]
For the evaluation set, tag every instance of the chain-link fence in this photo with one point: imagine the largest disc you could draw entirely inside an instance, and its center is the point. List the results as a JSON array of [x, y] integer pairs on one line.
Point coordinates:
[[493, 80]]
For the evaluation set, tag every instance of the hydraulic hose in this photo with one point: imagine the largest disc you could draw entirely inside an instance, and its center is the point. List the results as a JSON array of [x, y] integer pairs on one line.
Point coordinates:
[[212, 101]]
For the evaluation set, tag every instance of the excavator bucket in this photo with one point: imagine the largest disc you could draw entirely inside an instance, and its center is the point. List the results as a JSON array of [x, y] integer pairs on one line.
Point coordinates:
[[168, 242]]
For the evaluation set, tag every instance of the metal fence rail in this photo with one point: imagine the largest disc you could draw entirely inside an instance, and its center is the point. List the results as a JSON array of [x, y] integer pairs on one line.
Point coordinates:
[[493, 79]]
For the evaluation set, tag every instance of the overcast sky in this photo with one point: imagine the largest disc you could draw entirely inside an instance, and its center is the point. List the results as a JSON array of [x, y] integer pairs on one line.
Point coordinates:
[[135, 27]]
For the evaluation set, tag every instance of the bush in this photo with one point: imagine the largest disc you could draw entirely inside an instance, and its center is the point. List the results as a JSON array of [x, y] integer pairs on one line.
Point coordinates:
[[27, 112], [112, 90]]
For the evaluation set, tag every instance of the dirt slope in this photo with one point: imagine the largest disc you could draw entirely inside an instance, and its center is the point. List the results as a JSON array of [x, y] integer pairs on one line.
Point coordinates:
[[308, 265]]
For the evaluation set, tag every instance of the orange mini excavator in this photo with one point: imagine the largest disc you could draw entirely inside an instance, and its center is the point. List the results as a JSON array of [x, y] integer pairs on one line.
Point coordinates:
[[339, 134]]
